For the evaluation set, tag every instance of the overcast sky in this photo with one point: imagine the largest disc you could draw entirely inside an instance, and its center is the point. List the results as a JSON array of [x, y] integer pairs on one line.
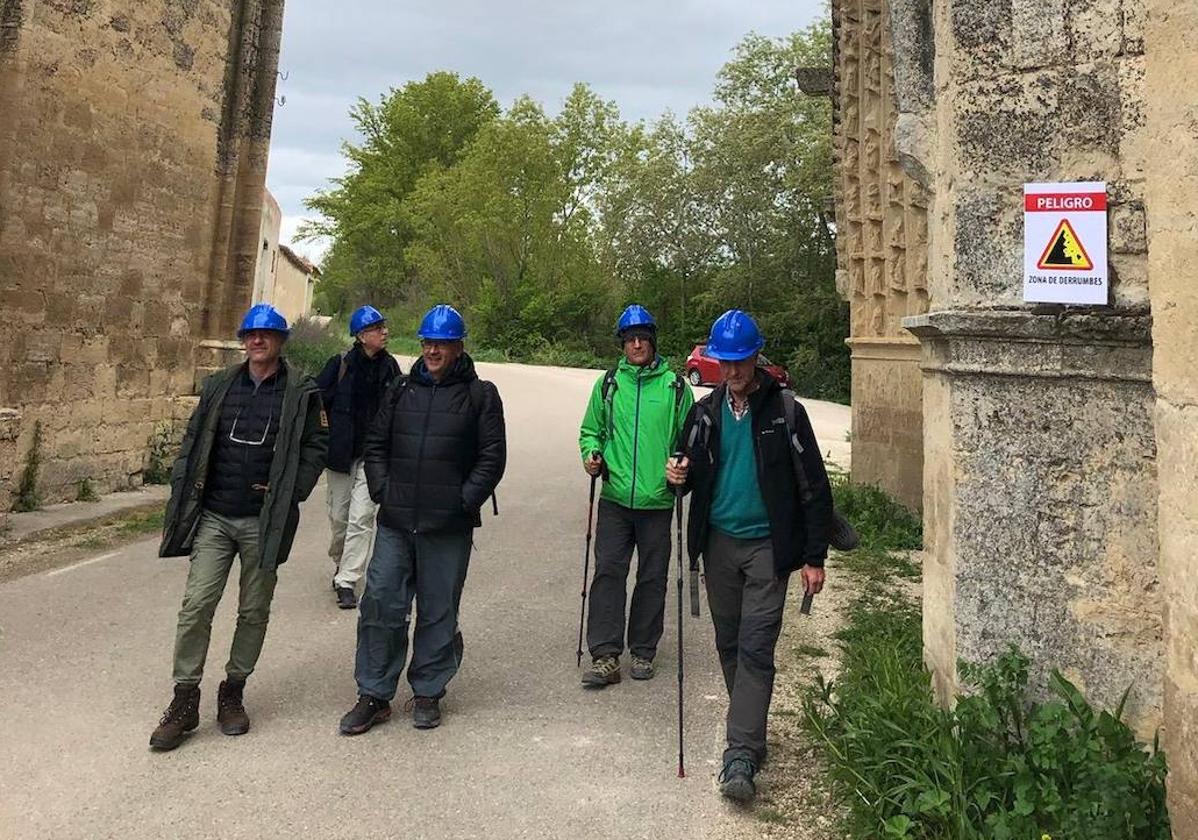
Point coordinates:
[[646, 55]]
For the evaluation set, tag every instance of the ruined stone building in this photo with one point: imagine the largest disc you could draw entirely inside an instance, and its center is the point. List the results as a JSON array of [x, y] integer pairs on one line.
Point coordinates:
[[133, 150], [1059, 446]]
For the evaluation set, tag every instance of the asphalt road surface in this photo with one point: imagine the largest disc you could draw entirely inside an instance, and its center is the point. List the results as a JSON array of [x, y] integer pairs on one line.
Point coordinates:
[[523, 751]]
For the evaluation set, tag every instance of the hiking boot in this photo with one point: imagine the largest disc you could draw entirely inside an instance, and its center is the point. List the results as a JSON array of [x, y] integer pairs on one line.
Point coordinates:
[[604, 671], [346, 599], [736, 780], [230, 713], [366, 713], [426, 712], [180, 717], [642, 669]]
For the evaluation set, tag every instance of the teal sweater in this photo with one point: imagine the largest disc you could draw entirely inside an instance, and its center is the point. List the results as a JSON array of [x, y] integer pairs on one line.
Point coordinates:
[[737, 506]]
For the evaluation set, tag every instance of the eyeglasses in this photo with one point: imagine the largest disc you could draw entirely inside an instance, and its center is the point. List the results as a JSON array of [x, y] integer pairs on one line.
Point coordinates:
[[265, 430]]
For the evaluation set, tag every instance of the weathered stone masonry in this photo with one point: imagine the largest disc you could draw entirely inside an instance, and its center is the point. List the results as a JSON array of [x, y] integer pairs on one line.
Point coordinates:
[[133, 143], [1057, 439], [881, 215]]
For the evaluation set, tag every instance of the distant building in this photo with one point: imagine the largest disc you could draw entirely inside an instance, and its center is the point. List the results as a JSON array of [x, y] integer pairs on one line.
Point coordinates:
[[282, 277]]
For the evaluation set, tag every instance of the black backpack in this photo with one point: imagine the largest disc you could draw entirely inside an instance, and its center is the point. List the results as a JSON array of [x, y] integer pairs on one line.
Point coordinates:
[[842, 536]]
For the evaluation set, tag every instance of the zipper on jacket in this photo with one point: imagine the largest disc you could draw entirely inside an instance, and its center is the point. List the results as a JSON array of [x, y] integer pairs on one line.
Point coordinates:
[[420, 460], [636, 436]]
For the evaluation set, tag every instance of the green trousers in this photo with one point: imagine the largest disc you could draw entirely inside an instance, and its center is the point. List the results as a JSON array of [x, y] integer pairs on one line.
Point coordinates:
[[219, 539]]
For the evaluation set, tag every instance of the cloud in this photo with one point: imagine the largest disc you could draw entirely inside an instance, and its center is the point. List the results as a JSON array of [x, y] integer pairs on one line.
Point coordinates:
[[646, 55]]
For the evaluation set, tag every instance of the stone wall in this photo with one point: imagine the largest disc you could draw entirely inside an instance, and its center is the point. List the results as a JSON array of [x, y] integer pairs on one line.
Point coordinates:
[[132, 152], [1040, 473], [881, 215], [1172, 202]]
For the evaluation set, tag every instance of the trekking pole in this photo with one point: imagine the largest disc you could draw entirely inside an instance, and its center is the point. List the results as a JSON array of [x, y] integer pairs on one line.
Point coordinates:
[[586, 565], [678, 517]]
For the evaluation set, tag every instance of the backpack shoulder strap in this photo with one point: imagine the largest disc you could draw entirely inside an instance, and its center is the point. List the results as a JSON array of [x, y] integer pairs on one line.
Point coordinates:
[[679, 385], [609, 385], [790, 414], [344, 366]]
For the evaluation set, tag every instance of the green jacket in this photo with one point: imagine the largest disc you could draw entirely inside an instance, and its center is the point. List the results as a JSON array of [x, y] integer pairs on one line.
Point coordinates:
[[299, 458], [637, 432]]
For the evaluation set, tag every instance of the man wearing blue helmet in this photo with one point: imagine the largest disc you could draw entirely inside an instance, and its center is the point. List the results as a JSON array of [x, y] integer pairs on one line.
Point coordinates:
[[253, 450], [760, 509], [434, 455], [352, 386], [631, 425]]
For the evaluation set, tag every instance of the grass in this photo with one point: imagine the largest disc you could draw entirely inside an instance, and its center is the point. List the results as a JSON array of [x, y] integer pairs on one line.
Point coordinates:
[[810, 651], [140, 523]]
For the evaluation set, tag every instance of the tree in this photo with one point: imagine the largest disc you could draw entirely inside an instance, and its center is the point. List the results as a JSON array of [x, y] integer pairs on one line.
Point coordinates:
[[421, 128]]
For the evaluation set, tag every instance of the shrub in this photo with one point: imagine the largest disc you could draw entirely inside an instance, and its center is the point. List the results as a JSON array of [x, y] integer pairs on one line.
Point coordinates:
[[28, 497], [160, 454], [311, 344], [999, 766], [85, 492]]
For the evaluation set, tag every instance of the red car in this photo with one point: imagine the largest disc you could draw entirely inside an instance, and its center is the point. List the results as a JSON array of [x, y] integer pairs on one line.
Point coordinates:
[[701, 369]]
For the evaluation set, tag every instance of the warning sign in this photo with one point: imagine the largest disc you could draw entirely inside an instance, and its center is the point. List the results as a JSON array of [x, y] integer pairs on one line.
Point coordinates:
[[1065, 251], [1065, 236]]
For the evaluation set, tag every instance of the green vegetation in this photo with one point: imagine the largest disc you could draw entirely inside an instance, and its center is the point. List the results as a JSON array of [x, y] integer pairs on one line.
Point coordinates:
[[541, 228], [85, 492], [141, 522], [160, 454], [311, 345], [999, 766], [28, 498]]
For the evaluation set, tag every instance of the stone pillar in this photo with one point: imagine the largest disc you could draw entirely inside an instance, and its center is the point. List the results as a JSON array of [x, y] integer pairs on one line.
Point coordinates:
[[1172, 201], [1040, 472], [881, 254], [242, 152]]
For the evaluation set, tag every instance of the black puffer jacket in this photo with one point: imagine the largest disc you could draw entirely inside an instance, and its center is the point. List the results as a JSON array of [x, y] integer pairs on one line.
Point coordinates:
[[245, 445], [436, 450], [799, 532]]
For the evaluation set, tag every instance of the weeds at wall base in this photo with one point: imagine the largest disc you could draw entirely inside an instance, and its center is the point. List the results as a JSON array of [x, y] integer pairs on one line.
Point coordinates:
[[998, 766], [28, 498]]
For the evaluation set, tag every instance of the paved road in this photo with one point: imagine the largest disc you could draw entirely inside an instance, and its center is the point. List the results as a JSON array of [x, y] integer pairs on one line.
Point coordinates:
[[523, 751]]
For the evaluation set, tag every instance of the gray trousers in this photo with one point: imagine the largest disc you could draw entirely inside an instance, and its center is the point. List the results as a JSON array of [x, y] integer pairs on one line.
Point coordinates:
[[430, 568], [618, 532], [746, 603]]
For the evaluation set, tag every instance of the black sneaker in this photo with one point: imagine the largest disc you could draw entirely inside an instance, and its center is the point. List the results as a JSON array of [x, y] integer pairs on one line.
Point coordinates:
[[736, 780], [604, 671], [367, 712], [346, 599], [426, 712]]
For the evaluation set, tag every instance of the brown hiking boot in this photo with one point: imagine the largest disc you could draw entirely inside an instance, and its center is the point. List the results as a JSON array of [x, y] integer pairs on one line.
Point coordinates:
[[230, 713], [180, 717]]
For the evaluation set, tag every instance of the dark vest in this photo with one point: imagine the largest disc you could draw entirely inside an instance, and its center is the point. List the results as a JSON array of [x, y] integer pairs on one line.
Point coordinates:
[[245, 445]]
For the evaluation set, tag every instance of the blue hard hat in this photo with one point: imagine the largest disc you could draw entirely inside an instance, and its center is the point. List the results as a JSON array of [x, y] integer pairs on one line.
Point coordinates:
[[263, 316], [635, 316], [363, 317], [734, 336], [442, 323]]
